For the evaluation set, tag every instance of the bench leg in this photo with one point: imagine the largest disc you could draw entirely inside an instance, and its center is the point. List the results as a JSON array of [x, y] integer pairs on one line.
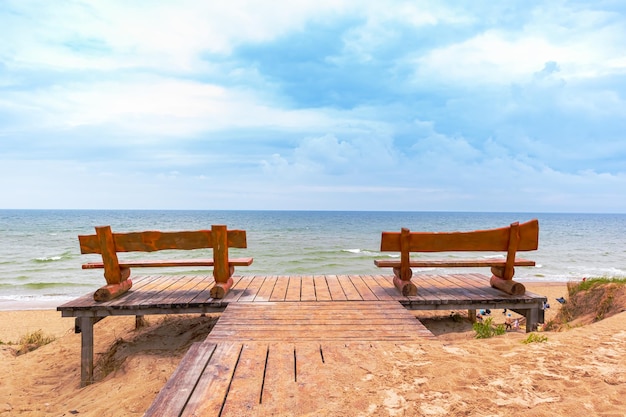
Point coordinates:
[[140, 321], [532, 319], [86, 350], [471, 315]]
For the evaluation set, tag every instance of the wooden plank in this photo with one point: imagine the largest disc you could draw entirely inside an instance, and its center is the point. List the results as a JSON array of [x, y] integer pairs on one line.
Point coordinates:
[[265, 291], [452, 263], [253, 288], [210, 393], [239, 288], [196, 292], [150, 241], [336, 291], [294, 289], [379, 291], [348, 288], [322, 320], [174, 395], [307, 292], [386, 283], [200, 294], [322, 292], [154, 263], [280, 289], [148, 292], [364, 291], [245, 391], [477, 240], [308, 360], [279, 385]]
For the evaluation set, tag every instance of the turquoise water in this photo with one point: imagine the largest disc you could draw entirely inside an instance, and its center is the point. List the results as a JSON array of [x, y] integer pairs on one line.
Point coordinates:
[[40, 259]]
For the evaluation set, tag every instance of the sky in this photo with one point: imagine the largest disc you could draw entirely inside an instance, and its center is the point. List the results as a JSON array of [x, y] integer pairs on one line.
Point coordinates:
[[516, 106]]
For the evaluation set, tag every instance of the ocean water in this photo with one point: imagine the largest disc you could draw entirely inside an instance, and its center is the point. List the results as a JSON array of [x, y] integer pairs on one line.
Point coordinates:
[[40, 261]]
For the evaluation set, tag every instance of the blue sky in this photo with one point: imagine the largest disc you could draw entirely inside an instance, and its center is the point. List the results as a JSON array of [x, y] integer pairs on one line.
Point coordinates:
[[318, 105]]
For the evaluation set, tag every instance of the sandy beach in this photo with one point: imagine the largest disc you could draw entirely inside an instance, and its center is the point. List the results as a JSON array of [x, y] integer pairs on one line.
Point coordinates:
[[581, 371]]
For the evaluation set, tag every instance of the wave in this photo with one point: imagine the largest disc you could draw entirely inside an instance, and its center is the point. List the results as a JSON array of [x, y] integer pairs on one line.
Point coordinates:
[[63, 256], [44, 285], [48, 259], [362, 252]]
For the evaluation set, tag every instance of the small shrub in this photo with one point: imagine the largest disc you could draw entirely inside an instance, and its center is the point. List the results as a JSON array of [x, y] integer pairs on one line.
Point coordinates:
[[535, 338], [33, 340], [486, 329]]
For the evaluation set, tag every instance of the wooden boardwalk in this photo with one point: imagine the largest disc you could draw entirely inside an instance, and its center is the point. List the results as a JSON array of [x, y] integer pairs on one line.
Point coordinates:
[[163, 294], [274, 358]]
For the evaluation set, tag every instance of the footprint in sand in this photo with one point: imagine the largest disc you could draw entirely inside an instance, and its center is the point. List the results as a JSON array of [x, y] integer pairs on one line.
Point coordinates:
[[394, 403], [455, 350]]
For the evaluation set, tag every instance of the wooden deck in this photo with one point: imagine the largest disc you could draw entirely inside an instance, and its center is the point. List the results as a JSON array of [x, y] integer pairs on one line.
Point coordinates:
[[162, 294]]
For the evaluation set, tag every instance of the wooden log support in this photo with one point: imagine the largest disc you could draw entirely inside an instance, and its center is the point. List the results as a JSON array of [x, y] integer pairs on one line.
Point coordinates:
[[111, 291], [403, 274], [507, 285], [405, 286], [220, 289]]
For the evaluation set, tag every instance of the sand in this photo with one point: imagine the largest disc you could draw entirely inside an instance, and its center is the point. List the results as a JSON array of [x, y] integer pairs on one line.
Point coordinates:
[[581, 371]]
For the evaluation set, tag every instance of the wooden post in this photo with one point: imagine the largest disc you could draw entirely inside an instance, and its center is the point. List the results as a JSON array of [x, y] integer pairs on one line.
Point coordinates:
[[86, 350], [402, 275], [471, 315], [112, 272], [512, 250], [221, 269]]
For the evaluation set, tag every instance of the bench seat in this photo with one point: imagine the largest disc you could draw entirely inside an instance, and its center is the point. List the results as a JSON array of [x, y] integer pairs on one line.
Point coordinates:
[[395, 263], [147, 263]]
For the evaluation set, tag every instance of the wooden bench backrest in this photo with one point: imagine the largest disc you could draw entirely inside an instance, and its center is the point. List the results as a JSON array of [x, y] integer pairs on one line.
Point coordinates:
[[510, 239], [108, 244], [476, 241]]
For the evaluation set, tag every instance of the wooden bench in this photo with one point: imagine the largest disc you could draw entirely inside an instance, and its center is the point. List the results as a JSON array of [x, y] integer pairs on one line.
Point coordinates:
[[511, 239], [117, 272]]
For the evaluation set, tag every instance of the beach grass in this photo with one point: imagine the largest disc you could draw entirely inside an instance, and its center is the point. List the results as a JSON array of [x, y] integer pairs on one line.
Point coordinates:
[[589, 283], [487, 329], [33, 340]]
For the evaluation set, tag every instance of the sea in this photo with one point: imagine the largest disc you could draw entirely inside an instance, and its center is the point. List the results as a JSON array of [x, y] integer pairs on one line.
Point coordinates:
[[40, 260]]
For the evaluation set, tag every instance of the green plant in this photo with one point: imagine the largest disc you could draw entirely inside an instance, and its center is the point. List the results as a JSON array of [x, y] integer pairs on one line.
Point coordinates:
[[486, 329], [588, 283], [33, 340], [535, 338]]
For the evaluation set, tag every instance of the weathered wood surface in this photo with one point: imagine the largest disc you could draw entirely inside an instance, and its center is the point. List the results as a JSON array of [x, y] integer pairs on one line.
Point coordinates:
[[267, 378], [317, 320], [176, 292], [162, 294], [272, 357]]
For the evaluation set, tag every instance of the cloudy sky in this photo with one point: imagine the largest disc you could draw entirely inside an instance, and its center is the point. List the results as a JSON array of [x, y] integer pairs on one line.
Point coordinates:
[[314, 104]]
